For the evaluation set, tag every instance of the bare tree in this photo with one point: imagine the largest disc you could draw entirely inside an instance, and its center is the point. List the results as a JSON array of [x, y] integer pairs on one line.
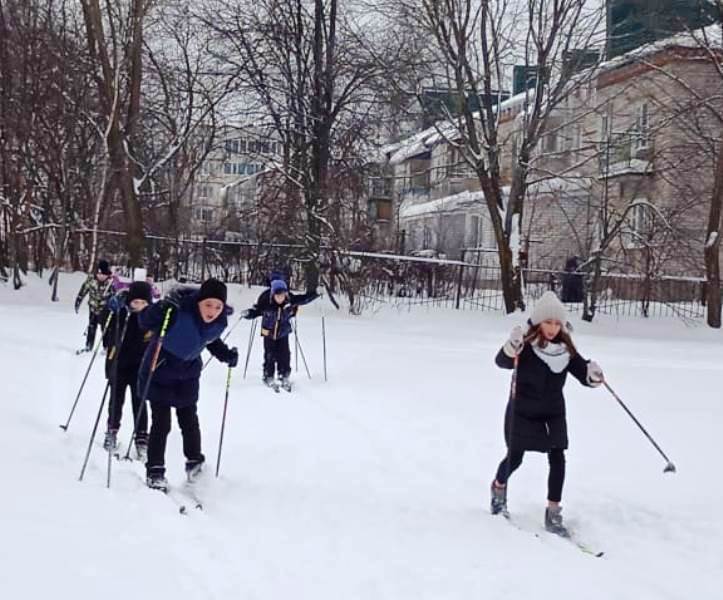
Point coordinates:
[[471, 46], [309, 81]]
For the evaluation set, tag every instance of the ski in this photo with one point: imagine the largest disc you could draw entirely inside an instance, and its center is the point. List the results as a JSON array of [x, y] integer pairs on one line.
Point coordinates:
[[583, 547]]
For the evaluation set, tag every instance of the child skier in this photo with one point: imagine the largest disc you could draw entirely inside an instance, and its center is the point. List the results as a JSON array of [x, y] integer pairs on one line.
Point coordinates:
[[276, 306], [99, 289], [535, 415], [197, 319], [123, 361]]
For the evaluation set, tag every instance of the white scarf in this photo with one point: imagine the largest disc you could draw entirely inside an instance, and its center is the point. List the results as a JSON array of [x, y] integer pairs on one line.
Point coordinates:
[[555, 356]]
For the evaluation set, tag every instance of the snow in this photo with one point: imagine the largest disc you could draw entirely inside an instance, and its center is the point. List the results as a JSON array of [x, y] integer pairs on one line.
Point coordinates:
[[446, 204], [375, 484]]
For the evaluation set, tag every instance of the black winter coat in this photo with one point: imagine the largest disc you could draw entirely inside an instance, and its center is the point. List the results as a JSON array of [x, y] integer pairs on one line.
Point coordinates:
[[133, 346], [535, 417]]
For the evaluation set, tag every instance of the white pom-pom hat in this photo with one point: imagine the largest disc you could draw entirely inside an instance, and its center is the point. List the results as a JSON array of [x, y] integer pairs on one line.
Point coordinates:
[[549, 307]]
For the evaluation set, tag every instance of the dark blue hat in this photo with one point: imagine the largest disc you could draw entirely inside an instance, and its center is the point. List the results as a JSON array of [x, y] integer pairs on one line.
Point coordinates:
[[278, 286]]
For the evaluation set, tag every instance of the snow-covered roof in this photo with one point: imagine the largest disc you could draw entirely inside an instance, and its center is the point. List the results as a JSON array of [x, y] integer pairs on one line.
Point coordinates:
[[462, 200], [709, 36], [441, 131]]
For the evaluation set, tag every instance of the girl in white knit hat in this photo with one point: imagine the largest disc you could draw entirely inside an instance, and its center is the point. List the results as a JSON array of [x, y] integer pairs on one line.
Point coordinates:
[[535, 417]]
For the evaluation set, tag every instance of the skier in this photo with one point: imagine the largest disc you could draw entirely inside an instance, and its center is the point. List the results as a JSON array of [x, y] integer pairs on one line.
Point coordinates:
[[276, 307], [535, 415], [125, 307], [99, 289], [197, 319]]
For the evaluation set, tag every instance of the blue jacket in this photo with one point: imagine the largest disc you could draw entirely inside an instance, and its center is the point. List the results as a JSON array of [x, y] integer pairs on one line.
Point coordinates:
[[175, 380], [276, 318]]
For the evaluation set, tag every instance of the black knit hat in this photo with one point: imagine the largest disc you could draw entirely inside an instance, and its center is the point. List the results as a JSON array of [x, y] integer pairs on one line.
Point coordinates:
[[212, 288], [139, 290], [103, 267]]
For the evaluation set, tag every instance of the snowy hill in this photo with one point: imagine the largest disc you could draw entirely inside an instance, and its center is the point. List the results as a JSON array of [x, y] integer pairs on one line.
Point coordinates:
[[373, 485]]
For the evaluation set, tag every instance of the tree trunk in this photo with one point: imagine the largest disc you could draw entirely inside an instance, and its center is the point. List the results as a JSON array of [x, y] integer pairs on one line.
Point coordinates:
[[712, 248]]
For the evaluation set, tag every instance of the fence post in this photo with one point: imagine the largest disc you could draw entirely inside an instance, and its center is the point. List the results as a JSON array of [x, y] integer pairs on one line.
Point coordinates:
[[459, 279], [203, 259]]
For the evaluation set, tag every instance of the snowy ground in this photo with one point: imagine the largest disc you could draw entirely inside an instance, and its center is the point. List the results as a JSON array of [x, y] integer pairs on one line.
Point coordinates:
[[375, 484]]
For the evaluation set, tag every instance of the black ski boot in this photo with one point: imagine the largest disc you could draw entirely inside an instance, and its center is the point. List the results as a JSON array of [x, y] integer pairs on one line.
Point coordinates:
[[553, 521], [110, 443], [498, 501], [156, 479], [193, 469]]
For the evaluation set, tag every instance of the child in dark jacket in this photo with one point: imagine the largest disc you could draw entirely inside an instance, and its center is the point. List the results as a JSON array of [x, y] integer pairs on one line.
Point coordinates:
[[276, 307], [126, 343], [535, 416], [99, 289], [197, 319]]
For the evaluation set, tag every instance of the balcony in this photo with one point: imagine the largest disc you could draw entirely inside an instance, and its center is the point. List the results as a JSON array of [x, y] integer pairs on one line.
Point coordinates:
[[381, 187], [626, 154]]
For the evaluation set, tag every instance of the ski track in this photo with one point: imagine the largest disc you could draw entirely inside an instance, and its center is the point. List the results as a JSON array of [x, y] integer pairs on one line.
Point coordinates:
[[373, 485]]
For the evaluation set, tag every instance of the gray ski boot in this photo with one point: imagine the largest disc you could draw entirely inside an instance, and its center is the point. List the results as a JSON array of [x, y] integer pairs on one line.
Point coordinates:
[[110, 443], [553, 521], [156, 480], [193, 470], [498, 502], [141, 444]]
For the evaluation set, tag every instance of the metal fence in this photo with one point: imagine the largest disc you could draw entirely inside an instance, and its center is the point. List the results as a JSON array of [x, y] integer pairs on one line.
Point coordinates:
[[369, 281]]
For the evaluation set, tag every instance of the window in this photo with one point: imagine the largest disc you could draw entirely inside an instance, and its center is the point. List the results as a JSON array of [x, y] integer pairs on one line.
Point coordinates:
[[205, 215], [427, 237], [642, 127], [639, 224], [232, 146], [384, 210], [475, 232], [551, 142], [204, 191]]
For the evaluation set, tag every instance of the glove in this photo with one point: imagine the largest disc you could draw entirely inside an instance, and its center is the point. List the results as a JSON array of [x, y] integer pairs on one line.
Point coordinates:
[[594, 374], [514, 344], [246, 314], [232, 359], [172, 299], [118, 302], [78, 302]]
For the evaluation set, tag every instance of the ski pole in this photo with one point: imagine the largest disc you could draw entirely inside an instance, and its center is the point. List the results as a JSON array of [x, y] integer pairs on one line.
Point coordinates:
[[303, 357], [228, 333], [323, 342], [152, 369], [250, 346], [95, 429], [513, 397], [296, 350], [669, 467], [113, 356], [85, 377], [223, 422]]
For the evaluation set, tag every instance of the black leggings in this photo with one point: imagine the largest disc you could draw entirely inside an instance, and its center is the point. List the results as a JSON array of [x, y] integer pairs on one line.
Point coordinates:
[[555, 480], [161, 426]]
